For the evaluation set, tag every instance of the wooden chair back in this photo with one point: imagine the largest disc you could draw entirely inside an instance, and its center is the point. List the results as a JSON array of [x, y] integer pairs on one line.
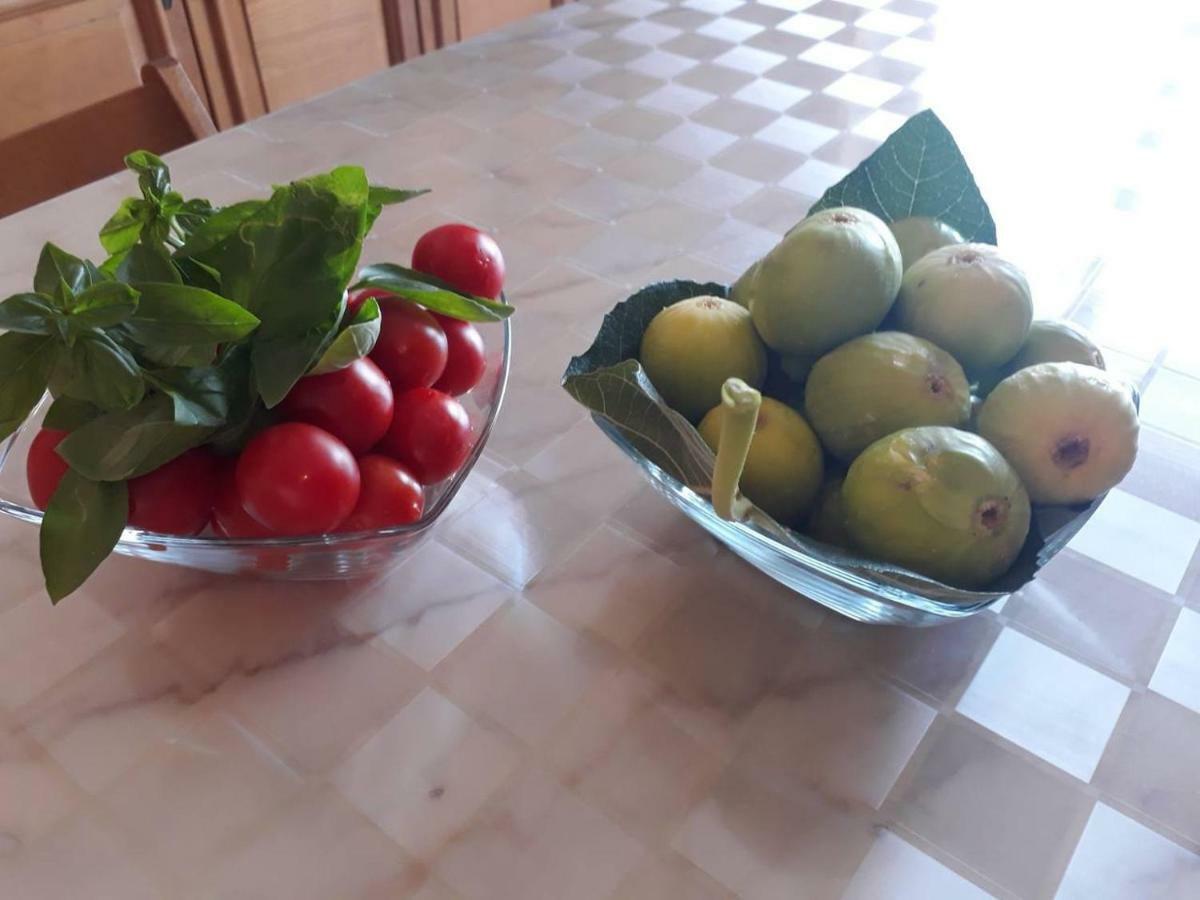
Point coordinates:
[[166, 112]]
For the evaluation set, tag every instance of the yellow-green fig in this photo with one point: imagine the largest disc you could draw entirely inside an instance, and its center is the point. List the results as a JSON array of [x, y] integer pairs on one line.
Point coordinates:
[[879, 383], [784, 466], [832, 277], [1050, 340], [969, 300], [827, 522], [1070, 430], [692, 346], [917, 235], [939, 501]]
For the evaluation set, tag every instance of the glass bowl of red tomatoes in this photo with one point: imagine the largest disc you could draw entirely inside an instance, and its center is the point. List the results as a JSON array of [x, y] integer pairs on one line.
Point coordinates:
[[355, 548]]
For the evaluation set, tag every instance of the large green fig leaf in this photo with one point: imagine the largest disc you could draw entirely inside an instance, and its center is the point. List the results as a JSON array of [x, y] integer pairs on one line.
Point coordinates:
[[917, 171], [608, 379]]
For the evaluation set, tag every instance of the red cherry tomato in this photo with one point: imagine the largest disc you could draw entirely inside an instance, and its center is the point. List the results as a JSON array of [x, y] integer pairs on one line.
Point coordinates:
[[411, 349], [390, 496], [297, 479], [463, 256], [43, 467], [353, 404], [430, 434], [465, 358], [355, 301], [177, 497], [229, 517]]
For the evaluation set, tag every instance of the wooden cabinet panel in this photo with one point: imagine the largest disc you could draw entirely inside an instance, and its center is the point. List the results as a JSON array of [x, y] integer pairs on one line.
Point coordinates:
[[59, 58], [225, 50], [307, 47], [478, 16]]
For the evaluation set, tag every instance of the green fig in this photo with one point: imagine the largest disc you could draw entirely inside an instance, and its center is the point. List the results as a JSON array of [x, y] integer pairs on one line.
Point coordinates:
[[969, 300], [879, 383], [1049, 340], [827, 522], [1070, 430], [784, 465], [832, 277], [692, 346], [917, 235], [939, 501]]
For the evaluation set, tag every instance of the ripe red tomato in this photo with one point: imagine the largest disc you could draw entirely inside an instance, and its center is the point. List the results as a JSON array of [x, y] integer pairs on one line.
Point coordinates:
[[229, 517], [411, 349], [177, 497], [430, 434], [297, 479], [390, 496], [463, 256], [465, 359], [353, 404], [44, 468], [355, 301]]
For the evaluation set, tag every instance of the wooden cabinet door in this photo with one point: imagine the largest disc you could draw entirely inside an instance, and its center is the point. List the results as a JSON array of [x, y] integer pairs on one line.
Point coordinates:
[[307, 47], [60, 57], [478, 16]]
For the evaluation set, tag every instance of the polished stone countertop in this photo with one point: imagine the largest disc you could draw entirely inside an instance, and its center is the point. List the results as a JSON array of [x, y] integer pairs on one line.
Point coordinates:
[[570, 692]]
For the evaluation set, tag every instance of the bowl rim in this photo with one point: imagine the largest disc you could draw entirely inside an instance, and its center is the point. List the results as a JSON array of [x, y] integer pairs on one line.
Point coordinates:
[[139, 538], [878, 590]]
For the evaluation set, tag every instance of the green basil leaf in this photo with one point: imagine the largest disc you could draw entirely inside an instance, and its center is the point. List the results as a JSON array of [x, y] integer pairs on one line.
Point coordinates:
[[247, 415], [191, 215], [432, 293], [144, 262], [82, 525], [219, 227], [99, 370], [355, 341], [176, 314], [124, 227], [281, 361], [28, 313], [171, 203], [180, 357], [56, 268], [67, 414], [109, 267], [289, 261], [205, 396], [122, 445], [194, 273], [102, 306], [378, 195], [26, 361], [154, 178]]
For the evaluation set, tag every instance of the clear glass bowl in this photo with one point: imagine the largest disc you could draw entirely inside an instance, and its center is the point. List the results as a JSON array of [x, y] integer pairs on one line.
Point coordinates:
[[329, 557], [865, 599]]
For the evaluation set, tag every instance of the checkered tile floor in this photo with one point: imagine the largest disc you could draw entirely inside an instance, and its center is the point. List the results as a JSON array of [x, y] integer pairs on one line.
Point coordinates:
[[571, 693]]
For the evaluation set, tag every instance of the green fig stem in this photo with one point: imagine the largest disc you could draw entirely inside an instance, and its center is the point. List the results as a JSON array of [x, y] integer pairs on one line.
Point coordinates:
[[741, 404]]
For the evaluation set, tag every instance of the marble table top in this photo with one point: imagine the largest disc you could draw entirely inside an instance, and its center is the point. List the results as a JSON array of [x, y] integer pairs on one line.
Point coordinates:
[[570, 692]]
